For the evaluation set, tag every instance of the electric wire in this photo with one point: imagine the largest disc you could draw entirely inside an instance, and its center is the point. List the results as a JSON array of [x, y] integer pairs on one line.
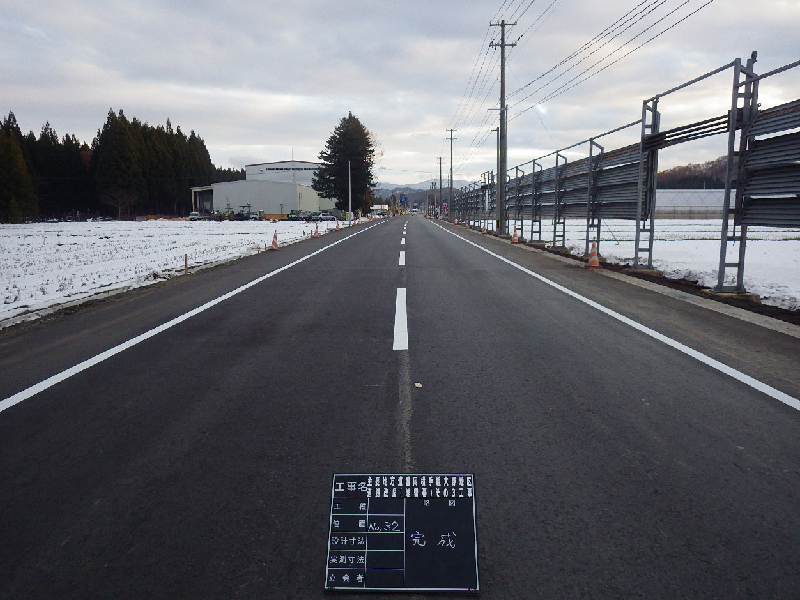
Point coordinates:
[[623, 19], [543, 16], [475, 98], [468, 107], [566, 87]]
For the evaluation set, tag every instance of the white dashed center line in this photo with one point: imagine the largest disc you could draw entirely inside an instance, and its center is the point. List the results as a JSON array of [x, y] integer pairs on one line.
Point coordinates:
[[400, 321], [402, 258]]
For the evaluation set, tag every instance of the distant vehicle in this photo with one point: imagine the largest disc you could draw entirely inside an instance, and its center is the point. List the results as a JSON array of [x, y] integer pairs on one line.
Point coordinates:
[[326, 217], [196, 216], [314, 216], [299, 215]]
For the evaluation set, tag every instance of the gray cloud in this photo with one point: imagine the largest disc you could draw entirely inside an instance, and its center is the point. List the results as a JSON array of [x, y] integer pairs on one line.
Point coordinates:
[[257, 80]]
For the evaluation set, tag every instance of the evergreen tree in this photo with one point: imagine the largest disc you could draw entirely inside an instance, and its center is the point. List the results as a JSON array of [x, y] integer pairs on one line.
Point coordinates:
[[12, 127], [229, 174], [708, 175], [350, 142], [162, 186], [75, 181], [179, 148], [18, 201], [48, 171], [117, 163], [130, 166]]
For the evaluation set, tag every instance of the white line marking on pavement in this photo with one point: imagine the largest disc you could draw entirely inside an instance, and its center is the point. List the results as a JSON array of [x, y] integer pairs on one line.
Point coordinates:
[[403, 242], [400, 321], [707, 360], [402, 258], [90, 362]]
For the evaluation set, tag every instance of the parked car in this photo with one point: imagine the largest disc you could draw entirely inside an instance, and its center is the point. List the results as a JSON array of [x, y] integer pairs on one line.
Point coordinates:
[[299, 215], [314, 216], [327, 217]]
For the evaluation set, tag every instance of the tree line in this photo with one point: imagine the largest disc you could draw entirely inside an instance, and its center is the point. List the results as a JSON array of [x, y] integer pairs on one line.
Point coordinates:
[[131, 168], [707, 175]]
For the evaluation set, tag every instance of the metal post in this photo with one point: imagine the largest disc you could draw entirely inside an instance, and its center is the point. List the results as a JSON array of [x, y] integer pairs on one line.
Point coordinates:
[[441, 206], [592, 220], [648, 170], [516, 201], [558, 211], [749, 110], [502, 155], [451, 162]]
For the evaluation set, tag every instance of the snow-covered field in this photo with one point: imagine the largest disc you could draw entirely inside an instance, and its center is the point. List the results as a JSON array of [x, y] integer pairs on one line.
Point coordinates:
[[689, 249], [47, 264]]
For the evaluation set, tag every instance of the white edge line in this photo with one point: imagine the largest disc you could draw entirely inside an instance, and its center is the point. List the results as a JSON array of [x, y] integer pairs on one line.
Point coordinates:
[[90, 362], [400, 321], [707, 360]]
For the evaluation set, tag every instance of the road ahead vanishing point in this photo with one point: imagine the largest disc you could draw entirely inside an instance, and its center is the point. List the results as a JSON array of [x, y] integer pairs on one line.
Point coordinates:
[[179, 441]]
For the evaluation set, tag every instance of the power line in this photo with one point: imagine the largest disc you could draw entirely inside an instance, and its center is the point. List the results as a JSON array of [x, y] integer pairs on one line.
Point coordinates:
[[566, 87], [587, 45], [477, 82], [478, 87], [514, 14], [542, 17], [469, 108], [466, 96]]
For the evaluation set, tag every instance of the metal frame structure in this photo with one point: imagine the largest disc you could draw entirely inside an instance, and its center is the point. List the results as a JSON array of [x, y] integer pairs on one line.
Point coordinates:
[[593, 221], [767, 172], [648, 176], [762, 181]]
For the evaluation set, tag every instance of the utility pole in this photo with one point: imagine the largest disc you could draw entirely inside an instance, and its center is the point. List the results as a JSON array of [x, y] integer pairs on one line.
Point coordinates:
[[451, 138], [502, 154], [349, 193], [441, 206]]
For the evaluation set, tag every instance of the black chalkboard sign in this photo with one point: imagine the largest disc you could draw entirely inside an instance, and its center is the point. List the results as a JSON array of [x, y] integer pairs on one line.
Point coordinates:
[[402, 532]]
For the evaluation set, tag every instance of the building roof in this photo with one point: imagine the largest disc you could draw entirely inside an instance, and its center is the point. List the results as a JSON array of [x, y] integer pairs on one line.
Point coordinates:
[[284, 162]]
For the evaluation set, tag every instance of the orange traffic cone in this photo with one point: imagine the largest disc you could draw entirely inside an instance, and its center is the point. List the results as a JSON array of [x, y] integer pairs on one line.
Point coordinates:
[[483, 230], [337, 224], [515, 237], [594, 262], [316, 232], [274, 241]]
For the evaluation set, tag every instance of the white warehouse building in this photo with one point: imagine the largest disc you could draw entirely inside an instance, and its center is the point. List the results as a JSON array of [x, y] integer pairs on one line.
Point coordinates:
[[285, 171], [270, 189]]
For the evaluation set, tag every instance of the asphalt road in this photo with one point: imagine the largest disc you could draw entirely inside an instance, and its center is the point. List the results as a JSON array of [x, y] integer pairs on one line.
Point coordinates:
[[197, 463]]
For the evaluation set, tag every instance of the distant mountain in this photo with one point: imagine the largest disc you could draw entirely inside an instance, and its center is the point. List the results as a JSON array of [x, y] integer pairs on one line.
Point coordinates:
[[423, 185]]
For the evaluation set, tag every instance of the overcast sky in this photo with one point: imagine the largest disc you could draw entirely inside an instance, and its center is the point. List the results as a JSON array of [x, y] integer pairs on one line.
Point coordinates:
[[266, 80]]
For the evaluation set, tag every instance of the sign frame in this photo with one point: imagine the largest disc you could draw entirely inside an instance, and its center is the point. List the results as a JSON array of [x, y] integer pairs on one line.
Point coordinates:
[[377, 532]]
